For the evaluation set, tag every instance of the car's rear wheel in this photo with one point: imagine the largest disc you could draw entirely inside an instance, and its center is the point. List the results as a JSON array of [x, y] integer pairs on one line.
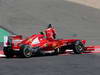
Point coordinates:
[[78, 47], [25, 51]]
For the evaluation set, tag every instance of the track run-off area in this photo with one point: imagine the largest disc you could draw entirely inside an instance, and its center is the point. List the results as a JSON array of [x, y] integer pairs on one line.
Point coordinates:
[[63, 64], [26, 17]]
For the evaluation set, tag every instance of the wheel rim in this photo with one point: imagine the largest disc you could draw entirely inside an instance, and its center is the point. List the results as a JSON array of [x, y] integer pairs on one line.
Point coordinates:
[[79, 48], [27, 52]]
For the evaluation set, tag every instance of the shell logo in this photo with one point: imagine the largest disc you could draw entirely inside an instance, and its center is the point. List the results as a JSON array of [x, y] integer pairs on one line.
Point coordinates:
[[45, 45], [30, 40], [54, 45]]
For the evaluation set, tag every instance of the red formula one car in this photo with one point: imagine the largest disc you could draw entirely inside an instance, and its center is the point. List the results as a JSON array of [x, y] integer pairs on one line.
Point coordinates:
[[39, 45]]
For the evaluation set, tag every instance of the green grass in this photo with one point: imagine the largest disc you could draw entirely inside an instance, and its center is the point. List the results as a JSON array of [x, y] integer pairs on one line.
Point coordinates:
[[2, 34]]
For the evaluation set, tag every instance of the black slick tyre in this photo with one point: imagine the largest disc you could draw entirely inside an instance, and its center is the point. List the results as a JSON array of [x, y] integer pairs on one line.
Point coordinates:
[[25, 51], [78, 47]]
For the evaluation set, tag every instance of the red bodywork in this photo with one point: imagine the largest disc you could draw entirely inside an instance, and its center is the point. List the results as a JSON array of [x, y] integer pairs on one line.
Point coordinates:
[[38, 40], [15, 41]]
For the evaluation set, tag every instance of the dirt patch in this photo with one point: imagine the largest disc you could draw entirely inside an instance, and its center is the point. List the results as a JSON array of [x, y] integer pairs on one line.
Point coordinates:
[[91, 3]]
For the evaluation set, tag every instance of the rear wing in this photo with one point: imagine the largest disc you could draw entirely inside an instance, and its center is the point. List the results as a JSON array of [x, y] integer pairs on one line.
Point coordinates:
[[12, 39]]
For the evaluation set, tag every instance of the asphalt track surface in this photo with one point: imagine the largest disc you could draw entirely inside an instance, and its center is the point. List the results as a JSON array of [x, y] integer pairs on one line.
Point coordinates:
[[29, 16]]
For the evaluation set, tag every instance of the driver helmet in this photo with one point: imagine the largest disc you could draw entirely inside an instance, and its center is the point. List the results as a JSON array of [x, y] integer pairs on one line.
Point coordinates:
[[50, 26], [42, 33]]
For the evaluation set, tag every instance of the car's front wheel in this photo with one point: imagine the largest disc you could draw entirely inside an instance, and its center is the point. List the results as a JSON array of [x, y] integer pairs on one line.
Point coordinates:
[[78, 47]]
